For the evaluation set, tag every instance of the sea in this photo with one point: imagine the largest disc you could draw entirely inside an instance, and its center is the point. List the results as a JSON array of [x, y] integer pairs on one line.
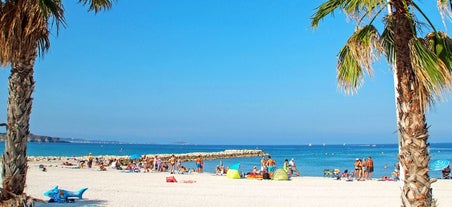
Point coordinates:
[[311, 160]]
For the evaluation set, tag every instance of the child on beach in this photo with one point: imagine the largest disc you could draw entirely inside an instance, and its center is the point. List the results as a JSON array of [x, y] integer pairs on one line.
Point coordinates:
[[178, 165]]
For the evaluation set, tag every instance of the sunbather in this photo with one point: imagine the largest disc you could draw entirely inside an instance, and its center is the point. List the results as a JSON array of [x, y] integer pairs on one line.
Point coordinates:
[[446, 173]]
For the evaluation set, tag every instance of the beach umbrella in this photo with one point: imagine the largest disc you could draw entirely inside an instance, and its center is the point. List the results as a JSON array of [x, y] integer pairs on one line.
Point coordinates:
[[439, 165], [135, 156]]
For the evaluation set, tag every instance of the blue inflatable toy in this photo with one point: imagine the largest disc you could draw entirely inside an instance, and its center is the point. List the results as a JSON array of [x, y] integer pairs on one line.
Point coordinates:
[[62, 196]]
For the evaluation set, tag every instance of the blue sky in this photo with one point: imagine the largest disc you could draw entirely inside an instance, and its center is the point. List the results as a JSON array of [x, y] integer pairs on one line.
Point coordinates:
[[210, 72]]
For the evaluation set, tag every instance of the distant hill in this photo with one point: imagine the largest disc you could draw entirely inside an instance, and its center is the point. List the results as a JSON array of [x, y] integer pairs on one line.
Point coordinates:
[[38, 138], [49, 139]]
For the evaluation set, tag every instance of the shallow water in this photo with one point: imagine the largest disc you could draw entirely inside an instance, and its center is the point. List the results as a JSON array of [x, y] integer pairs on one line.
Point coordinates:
[[310, 160]]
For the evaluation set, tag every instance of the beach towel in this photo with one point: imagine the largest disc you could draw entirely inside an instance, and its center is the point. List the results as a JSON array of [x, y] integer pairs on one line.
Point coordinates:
[[171, 179]]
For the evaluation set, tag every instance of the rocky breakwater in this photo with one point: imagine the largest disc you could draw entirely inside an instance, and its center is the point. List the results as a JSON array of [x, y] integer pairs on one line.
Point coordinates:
[[214, 155], [184, 157]]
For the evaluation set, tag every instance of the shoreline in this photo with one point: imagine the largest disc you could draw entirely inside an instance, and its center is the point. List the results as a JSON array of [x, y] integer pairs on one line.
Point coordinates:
[[115, 188]]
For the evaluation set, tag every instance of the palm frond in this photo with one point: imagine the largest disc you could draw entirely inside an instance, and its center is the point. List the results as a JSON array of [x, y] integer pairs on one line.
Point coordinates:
[[445, 9], [359, 6], [431, 72], [97, 5], [324, 10], [441, 44], [353, 8], [361, 49], [53, 9], [349, 71], [365, 46], [387, 41], [23, 27]]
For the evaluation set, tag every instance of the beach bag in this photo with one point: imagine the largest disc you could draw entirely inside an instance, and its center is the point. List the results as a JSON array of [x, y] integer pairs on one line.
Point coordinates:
[[171, 179], [266, 176]]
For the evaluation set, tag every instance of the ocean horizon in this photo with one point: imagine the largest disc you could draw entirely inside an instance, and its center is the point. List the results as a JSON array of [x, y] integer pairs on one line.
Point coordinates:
[[311, 160]]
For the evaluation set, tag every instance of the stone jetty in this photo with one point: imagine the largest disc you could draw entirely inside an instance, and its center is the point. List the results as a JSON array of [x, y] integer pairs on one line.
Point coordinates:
[[184, 157]]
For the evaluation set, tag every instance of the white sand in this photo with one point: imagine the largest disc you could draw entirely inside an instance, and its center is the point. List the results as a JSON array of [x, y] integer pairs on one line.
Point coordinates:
[[113, 188]]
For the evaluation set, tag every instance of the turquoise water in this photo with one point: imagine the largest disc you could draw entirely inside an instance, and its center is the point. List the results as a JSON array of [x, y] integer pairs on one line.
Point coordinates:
[[311, 160]]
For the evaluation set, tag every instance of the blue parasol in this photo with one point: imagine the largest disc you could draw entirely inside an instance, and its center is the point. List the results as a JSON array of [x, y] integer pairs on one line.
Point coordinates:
[[135, 156], [235, 166], [439, 165]]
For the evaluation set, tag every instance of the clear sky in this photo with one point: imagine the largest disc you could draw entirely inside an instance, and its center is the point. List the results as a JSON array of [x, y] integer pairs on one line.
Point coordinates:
[[211, 72]]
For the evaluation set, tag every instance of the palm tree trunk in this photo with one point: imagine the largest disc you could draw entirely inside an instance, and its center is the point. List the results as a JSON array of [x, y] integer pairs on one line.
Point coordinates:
[[413, 157], [21, 86]]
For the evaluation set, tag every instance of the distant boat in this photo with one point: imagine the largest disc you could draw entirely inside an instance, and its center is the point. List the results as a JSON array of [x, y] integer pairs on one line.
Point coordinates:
[[310, 144], [374, 145]]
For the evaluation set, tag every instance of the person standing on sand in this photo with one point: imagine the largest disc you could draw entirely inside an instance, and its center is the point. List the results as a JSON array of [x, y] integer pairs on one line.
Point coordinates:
[[199, 164], [155, 165], [158, 164], [172, 162], [90, 160], [286, 167], [146, 164], [271, 164], [365, 176], [293, 167], [263, 164], [370, 167], [358, 168]]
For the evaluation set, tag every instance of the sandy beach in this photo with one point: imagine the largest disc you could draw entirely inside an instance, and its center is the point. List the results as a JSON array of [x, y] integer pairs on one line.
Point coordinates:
[[115, 188]]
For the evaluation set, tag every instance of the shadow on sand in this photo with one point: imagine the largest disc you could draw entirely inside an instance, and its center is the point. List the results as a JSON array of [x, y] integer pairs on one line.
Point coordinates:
[[77, 203]]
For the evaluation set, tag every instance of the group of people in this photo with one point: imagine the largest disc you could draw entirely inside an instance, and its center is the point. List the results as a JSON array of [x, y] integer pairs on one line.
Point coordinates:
[[143, 164], [268, 166], [173, 165], [220, 169], [364, 168], [290, 167]]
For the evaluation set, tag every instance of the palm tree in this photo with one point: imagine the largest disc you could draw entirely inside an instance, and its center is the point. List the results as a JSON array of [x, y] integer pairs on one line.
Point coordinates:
[[422, 69], [24, 35]]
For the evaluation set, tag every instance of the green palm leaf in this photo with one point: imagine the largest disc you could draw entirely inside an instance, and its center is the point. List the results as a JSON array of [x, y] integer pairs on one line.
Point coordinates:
[[324, 10], [349, 71], [441, 44], [97, 5], [361, 49], [351, 7], [387, 41], [431, 72]]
